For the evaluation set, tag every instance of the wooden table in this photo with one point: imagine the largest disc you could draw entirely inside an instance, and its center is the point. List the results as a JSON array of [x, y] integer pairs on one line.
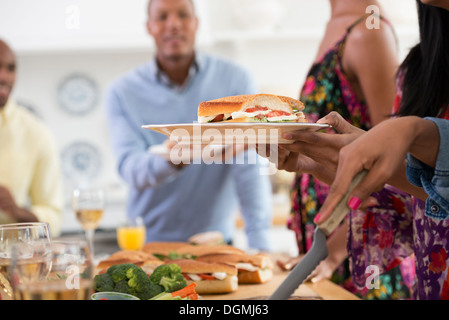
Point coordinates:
[[324, 289]]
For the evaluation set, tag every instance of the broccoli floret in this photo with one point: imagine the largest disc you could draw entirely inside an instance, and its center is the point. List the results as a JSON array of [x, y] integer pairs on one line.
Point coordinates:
[[112, 268], [122, 287], [127, 278], [119, 272], [138, 279], [103, 282], [168, 276], [173, 284], [154, 290]]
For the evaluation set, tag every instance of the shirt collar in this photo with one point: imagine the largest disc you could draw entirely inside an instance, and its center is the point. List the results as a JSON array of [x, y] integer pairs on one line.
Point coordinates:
[[161, 77]]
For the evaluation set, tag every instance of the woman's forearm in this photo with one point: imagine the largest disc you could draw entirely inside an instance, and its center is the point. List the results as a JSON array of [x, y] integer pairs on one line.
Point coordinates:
[[400, 181], [427, 143], [425, 146]]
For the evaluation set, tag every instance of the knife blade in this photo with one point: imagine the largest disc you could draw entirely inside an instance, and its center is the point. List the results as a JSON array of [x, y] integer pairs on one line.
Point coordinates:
[[318, 251]]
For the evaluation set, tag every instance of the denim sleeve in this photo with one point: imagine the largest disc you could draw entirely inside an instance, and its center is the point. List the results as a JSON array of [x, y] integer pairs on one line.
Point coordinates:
[[135, 165], [435, 181]]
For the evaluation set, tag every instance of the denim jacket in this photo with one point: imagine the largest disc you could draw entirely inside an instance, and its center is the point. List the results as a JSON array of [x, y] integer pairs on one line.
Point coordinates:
[[435, 181]]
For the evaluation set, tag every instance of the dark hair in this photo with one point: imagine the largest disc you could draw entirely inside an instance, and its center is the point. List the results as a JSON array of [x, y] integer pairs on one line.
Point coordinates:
[[425, 87]]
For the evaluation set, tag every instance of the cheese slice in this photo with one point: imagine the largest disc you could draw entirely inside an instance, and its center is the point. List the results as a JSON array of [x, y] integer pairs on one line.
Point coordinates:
[[246, 266], [217, 275]]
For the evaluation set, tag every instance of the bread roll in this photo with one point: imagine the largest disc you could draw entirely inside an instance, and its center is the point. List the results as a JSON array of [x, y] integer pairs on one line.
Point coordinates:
[[238, 107], [197, 250], [163, 248], [229, 284], [257, 268], [138, 258], [228, 281]]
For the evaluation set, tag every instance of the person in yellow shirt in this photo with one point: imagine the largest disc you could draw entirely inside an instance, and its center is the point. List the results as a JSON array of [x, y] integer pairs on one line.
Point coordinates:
[[30, 175]]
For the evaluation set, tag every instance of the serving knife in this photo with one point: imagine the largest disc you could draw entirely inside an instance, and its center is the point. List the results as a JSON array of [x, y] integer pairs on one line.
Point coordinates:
[[318, 251]]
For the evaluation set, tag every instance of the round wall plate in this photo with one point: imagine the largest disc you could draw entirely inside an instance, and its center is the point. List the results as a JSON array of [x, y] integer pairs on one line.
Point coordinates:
[[81, 160], [77, 94]]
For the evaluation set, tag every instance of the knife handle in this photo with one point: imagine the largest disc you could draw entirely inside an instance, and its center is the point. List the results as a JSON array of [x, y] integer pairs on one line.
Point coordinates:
[[340, 211]]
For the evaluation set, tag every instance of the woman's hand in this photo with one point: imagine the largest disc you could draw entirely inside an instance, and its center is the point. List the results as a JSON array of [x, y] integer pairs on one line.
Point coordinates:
[[382, 151], [315, 153]]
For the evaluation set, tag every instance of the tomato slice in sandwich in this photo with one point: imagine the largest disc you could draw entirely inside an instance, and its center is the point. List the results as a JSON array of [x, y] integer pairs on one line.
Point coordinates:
[[254, 109], [206, 276], [277, 114]]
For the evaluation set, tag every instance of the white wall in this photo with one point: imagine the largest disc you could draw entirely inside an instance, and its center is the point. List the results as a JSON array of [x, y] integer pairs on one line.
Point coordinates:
[[104, 38]]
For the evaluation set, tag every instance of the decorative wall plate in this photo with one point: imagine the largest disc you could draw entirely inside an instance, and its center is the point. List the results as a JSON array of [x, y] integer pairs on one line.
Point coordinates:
[[81, 160], [77, 94]]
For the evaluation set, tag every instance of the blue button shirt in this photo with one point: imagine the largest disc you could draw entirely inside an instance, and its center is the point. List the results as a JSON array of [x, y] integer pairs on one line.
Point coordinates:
[[175, 204], [435, 181]]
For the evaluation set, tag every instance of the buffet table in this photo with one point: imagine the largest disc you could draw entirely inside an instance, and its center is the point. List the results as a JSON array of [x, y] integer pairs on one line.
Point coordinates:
[[106, 243], [321, 290]]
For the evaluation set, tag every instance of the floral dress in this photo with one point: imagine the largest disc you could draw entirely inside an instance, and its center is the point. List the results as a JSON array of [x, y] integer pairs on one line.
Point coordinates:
[[384, 238], [327, 89]]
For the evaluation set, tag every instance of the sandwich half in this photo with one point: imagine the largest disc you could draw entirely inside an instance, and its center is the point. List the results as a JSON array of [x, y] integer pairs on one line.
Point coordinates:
[[165, 250], [194, 251], [251, 108], [257, 268], [209, 277], [146, 261]]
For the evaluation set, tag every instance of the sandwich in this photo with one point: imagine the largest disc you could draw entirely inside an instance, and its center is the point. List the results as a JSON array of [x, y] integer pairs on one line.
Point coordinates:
[[207, 238], [211, 277], [257, 268], [146, 261], [251, 108], [193, 251], [165, 250]]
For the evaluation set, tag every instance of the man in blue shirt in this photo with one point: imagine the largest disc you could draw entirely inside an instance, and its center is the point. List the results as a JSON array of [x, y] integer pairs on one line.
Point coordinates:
[[177, 201]]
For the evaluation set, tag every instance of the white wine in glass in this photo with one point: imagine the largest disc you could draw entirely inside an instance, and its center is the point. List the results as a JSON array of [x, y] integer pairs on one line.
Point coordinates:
[[69, 277], [35, 234], [88, 205]]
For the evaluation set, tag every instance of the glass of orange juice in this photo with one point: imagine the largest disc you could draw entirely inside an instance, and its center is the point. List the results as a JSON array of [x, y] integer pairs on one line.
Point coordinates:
[[131, 235]]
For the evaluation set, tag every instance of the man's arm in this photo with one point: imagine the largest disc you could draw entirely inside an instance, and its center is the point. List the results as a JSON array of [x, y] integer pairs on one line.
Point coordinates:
[[135, 165], [46, 196]]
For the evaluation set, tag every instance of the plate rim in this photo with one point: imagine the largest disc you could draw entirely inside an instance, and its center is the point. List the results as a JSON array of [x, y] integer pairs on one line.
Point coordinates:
[[236, 124]]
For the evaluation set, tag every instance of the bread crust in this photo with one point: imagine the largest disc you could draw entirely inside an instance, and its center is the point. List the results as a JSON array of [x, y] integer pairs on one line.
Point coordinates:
[[138, 258], [163, 248], [197, 250], [207, 238], [193, 266], [264, 264], [229, 284], [242, 102], [259, 260], [258, 276], [209, 108]]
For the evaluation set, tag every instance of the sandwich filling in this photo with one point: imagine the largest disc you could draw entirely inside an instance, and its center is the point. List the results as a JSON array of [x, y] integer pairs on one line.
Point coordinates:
[[244, 266], [256, 114], [205, 276]]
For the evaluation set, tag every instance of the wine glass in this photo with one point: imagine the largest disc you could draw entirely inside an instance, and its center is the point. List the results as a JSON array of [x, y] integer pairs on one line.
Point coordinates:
[[70, 276], [12, 234], [88, 205], [131, 235]]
